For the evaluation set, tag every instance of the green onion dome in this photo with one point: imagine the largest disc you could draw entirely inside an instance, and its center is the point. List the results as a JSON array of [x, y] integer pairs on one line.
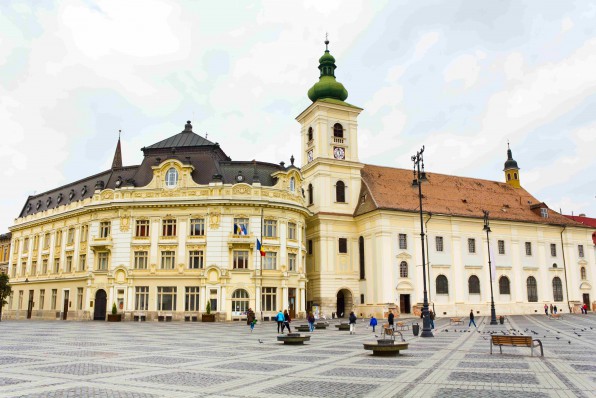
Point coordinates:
[[327, 86]]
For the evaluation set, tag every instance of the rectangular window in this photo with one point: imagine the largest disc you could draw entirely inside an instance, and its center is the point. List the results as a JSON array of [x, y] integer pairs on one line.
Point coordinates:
[[544, 213], [84, 233], [309, 246], [15, 245], [23, 268], [36, 242], [54, 297], [44, 266], [142, 228], [105, 228], [270, 260], [580, 251], [343, 245], [102, 261], [58, 241], [528, 248], [501, 245], [79, 298], [33, 268], [292, 258], [56, 265], [82, 262], [26, 245], [270, 228], [292, 231], [240, 226], [42, 298], [20, 304], [142, 298], [168, 227], [240, 258], [195, 259], [269, 299], [46, 241], [68, 266], [140, 259], [70, 236], [166, 298], [191, 298], [439, 243], [168, 259], [553, 250], [197, 227], [403, 241], [471, 245]]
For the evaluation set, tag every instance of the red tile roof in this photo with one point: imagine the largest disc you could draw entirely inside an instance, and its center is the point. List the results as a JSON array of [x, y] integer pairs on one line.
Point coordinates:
[[591, 222], [391, 188]]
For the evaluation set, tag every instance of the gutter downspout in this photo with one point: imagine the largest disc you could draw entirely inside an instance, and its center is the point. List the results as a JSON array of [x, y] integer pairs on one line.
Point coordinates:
[[430, 215], [565, 268]]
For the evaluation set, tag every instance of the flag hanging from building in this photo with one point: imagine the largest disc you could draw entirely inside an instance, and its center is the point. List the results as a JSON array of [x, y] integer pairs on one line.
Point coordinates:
[[260, 248], [240, 229]]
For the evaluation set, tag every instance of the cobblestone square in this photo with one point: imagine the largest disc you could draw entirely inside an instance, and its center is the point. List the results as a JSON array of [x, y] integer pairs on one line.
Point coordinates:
[[151, 359]]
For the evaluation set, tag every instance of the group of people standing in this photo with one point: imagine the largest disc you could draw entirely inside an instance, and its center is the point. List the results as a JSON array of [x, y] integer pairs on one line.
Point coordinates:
[[553, 309]]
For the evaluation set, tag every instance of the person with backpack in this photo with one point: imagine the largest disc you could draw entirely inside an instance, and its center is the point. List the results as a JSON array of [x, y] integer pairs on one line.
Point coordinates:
[[431, 316], [352, 320], [390, 319], [280, 321], [287, 321], [311, 321]]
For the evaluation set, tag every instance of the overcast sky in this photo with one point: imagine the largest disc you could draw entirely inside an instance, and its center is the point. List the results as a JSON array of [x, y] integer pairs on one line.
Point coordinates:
[[460, 77]]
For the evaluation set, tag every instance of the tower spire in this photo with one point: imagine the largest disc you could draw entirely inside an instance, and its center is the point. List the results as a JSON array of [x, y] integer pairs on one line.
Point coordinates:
[[511, 169], [327, 86], [117, 162]]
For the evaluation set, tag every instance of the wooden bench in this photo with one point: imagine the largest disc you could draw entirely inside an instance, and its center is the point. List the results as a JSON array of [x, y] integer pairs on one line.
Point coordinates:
[[556, 316], [402, 325], [455, 321], [514, 341]]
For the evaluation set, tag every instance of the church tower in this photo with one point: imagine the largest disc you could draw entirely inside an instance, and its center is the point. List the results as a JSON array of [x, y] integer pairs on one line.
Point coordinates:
[[329, 141], [511, 170]]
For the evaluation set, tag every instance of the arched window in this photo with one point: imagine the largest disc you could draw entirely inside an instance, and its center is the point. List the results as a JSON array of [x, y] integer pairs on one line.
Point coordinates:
[[532, 289], [403, 269], [557, 289], [240, 301], [442, 285], [582, 272], [338, 130], [504, 287], [340, 192], [361, 256], [310, 193], [309, 134], [508, 176], [474, 285], [515, 176], [292, 184], [171, 177]]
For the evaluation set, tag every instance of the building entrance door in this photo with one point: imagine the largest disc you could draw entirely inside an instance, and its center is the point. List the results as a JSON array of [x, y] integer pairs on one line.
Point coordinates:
[[30, 304], [292, 302], [586, 297], [65, 306], [99, 314], [404, 303]]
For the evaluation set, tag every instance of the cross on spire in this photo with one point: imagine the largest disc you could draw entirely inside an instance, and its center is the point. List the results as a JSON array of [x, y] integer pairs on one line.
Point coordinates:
[[326, 41]]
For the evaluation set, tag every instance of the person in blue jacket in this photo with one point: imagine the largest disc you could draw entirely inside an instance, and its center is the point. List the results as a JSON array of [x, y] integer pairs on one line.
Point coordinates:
[[280, 321], [373, 322]]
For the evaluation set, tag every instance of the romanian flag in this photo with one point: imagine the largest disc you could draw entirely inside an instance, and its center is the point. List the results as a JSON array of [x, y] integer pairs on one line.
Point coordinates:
[[260, 248]]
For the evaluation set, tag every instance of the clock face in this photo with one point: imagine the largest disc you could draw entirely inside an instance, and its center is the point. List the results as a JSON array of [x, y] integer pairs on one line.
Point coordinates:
[[339, 153], [309, 156]]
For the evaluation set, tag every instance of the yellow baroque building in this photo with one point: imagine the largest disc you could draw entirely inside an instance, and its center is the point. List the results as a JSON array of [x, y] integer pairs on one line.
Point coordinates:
[[162, 239]]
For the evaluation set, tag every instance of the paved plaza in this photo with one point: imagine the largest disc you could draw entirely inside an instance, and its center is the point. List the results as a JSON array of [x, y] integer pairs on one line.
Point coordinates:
[[97, 359]]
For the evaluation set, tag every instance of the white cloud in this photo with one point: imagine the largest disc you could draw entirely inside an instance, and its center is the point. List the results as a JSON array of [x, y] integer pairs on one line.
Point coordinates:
[[464, 68]]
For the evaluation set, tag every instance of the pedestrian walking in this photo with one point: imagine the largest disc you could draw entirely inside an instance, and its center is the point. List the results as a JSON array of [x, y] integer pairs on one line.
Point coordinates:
[[311, 321], [280, 322], [287, 321], [432, 319], [551, 309], [545, 309], [555, 309], [585, 308], [390, 319], [472, 319], [251, 319], [352, 320], [373, 322]]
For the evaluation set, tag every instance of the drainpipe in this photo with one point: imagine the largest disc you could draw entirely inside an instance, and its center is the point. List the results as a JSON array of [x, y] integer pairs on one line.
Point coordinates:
[[430, 215], [565, 268]]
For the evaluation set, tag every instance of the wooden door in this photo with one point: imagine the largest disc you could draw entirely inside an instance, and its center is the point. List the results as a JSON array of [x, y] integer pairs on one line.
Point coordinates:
[[99, 314], [65, 307], [292, 302]]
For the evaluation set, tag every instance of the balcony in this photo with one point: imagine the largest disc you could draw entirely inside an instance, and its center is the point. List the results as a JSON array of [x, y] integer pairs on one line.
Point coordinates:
[[339, 140], [102, 244], [234, 239]]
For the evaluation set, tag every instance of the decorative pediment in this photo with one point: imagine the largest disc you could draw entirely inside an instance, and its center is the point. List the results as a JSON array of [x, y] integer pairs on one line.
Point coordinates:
[[582, 262], [585, 286], [404, 285], [404, 256]]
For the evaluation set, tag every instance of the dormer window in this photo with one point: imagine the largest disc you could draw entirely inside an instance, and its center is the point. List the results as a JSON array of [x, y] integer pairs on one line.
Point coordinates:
[[171, 178], [544, 213], [71, 194]]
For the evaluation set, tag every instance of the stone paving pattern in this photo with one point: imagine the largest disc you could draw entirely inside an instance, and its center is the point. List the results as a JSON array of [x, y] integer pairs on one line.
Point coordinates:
[[97, 359]]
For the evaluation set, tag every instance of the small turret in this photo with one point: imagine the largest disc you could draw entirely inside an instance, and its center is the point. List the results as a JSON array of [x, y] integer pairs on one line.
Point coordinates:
[[511, 170]]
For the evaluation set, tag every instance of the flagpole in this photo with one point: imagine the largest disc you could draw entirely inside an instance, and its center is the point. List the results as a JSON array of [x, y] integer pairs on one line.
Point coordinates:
[[261, 262]]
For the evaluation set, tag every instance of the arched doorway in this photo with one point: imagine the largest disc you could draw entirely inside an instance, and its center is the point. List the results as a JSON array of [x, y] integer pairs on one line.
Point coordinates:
[[344, 303], [100, 305]]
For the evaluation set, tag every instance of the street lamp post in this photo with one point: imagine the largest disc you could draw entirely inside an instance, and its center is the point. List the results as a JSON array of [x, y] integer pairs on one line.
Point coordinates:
[[493, 314], [419, 178]]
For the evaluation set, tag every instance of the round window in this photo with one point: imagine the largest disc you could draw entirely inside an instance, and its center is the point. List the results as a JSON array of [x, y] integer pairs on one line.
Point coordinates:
[[171, 177]]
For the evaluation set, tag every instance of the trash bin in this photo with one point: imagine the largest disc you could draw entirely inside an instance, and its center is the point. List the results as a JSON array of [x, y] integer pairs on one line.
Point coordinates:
[[415, 329], [501, 319]]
